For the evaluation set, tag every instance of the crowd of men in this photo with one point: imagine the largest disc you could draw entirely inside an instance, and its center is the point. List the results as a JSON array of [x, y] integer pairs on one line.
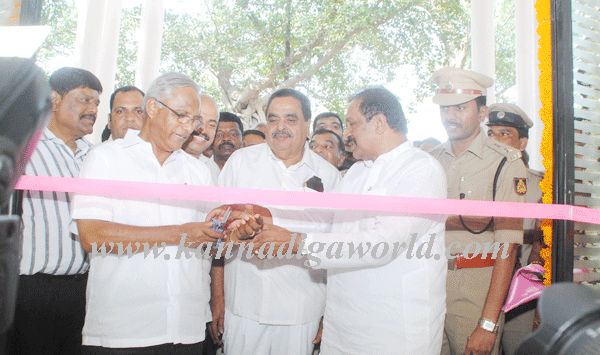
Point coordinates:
[[74, 300]]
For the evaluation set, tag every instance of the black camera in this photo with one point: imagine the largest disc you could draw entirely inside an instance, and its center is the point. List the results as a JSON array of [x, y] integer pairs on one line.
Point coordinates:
[[24, 110], [570, 315]]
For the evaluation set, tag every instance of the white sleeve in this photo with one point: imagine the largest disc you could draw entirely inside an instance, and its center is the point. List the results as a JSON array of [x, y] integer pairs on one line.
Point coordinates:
[[88, 206], [378, 239], [302, 220], [381, 239]]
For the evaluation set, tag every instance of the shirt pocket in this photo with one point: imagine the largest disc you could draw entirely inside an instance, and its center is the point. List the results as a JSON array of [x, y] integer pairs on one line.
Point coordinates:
[[476, 186]]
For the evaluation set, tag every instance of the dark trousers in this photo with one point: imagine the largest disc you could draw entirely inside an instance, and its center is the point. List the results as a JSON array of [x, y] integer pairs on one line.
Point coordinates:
[[49, 314], [163, 349]]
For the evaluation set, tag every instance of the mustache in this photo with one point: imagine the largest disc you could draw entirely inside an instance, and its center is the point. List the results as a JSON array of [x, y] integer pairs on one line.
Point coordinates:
[[226, 143], [201, 135], [448, 123], [88, 116], [282, 133]]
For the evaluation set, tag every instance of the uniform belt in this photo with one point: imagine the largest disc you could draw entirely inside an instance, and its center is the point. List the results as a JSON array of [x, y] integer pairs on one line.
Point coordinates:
[[461, 261]]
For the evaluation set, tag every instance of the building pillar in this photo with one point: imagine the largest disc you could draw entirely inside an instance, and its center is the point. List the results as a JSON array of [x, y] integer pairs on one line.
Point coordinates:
[[96, 46], [527, 76], [483, 41], [150, 42]]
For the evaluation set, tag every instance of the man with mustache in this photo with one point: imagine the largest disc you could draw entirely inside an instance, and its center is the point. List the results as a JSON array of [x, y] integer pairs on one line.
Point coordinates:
[[156, 303], [228, 138], [477, 168], [274, 306], [203, 137], [388, 303], [330, 146], [510, 125], [51, 298], [125, 111], [333, 122]]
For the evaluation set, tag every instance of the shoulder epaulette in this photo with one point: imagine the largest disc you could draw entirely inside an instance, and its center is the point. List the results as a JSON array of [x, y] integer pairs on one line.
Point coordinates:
[[536, 173], [510, 153]]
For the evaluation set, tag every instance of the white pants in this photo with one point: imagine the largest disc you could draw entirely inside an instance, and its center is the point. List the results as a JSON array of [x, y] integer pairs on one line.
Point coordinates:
[[245, 336]]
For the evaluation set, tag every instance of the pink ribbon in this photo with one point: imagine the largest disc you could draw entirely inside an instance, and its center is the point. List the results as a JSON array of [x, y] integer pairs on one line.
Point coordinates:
[[389, 204]]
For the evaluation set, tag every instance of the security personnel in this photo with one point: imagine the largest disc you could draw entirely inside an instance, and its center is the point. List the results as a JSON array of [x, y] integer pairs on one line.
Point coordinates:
[[477, 168], [508, 124]]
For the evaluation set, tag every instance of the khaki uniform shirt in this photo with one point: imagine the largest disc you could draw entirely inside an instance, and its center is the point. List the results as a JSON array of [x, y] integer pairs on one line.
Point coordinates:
[[471, 176]]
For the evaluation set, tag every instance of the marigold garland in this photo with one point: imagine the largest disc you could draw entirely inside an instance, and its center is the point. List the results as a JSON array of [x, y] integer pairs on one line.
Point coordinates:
[[544, 31]]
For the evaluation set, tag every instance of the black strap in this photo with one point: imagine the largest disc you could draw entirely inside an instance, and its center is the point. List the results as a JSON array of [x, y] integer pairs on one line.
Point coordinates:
[[491, 222]]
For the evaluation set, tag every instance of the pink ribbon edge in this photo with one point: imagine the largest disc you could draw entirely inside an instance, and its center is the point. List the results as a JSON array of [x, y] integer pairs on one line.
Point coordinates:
[[332, 200]]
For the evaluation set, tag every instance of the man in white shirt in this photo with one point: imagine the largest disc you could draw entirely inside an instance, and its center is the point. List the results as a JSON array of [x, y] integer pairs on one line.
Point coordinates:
[[379, 303], [126, 112], [154, 299], [202, 138], [273, 306]]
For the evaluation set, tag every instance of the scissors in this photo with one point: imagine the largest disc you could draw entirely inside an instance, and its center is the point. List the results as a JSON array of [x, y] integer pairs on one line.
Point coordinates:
[[219, 226]]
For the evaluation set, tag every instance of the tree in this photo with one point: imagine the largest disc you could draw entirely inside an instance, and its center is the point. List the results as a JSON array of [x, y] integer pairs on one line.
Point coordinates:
[[244, 50], [61, 15], [240, 51]]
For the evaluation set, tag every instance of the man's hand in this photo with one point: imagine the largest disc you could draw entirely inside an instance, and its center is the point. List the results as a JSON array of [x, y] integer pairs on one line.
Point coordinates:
[[273, 237], [481, 342], [244, 228], [216, 327], [197, 233], [238, 211]]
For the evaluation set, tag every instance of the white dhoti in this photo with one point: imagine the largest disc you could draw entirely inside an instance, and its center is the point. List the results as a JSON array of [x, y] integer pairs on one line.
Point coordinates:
[[246, 336]]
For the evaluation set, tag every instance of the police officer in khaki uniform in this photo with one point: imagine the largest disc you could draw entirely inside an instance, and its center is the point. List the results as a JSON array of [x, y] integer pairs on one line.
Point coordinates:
[[477, 168], [508, 124]]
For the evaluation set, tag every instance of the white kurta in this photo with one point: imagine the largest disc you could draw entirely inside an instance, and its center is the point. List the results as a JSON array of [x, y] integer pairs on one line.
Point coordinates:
[[142, 301], [277, 292], [212, 166], [382, 304]]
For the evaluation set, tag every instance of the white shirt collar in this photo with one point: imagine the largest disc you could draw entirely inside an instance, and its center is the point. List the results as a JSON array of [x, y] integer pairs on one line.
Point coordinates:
[[307, 158], [132, 138], [389, 156]]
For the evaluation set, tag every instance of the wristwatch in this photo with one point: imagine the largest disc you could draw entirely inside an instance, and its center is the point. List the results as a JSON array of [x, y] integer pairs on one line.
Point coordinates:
[[488, 325]]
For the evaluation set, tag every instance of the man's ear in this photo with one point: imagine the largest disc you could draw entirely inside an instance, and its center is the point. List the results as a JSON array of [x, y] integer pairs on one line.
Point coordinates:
[[380, 123], [56, 99], [483, 113], [151, 108], [523, 143]]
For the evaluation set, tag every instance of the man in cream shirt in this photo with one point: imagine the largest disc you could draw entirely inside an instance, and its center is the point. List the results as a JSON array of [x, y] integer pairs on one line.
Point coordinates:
[[275, 306]]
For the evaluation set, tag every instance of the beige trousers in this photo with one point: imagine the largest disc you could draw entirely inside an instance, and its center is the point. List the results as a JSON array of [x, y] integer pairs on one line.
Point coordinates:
[[466, 291]]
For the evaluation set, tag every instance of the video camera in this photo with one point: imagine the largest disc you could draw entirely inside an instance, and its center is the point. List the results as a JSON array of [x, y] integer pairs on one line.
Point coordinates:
[[570, 315], [24, 110]]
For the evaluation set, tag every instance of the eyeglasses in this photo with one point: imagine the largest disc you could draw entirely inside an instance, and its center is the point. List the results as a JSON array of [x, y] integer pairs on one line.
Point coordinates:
[[183, 118]]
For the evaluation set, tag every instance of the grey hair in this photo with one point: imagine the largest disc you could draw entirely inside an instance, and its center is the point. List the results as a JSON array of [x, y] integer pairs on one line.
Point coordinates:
[[162, 86]]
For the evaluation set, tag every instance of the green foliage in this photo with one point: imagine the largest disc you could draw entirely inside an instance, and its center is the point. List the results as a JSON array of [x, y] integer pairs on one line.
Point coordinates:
[[240, 51], [61, 15], [505, 46], [128, 45]]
